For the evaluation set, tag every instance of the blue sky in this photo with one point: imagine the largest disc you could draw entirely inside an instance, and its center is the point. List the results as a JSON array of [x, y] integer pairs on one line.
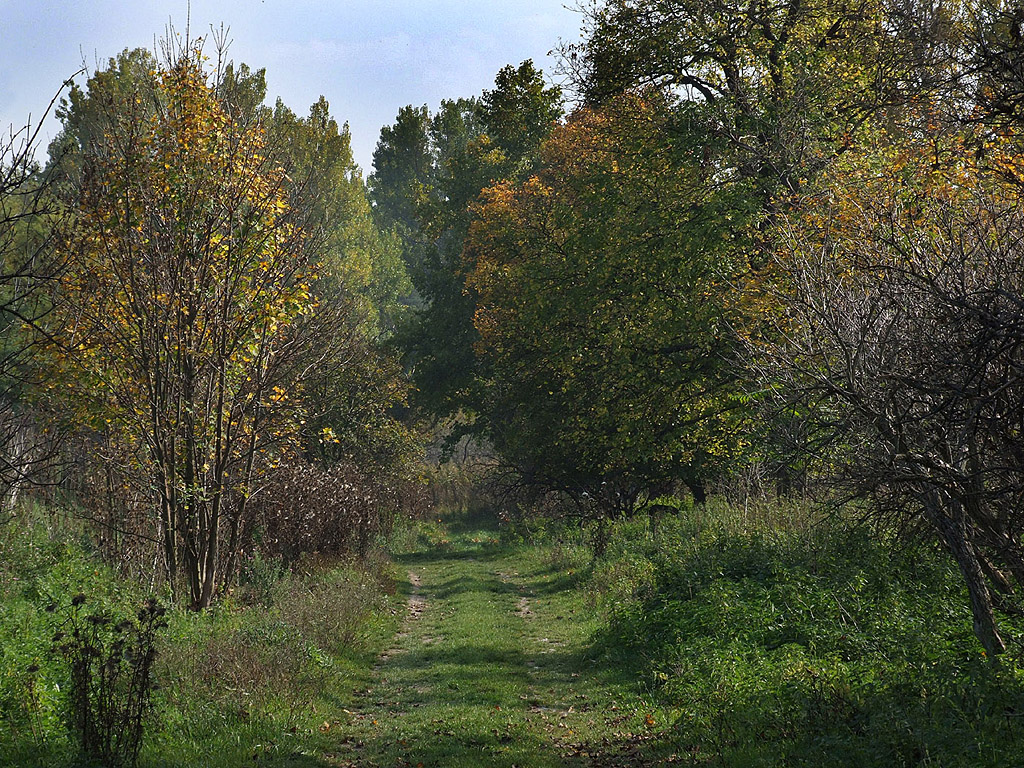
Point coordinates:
[[368, 58]]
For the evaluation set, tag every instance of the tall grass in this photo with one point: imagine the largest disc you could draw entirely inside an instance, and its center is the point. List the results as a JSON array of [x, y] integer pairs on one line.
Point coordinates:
[[776, 638], [251, 677]]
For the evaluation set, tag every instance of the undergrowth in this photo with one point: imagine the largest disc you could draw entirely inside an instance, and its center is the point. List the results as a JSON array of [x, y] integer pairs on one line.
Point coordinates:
[[777, 641], [250, 681], [768, 637]]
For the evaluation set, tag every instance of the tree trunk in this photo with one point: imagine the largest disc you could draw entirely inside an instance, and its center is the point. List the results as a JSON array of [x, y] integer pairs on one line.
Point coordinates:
[[170, 551], [953, 531], [700, 494], [212, 557]]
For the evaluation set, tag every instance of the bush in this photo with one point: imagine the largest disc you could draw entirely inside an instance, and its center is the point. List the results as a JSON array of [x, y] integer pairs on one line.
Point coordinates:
[[343, 510], [40, 555]]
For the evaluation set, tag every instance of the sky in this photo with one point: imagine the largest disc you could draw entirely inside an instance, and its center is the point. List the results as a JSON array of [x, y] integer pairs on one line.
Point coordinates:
[[367, 58]]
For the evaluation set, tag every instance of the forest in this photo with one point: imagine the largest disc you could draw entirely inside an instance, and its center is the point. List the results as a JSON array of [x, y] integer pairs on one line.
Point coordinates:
[[669, 414]]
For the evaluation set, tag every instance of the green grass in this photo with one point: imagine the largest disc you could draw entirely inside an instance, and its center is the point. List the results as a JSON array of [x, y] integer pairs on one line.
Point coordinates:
[[248, 683], [253, 685], [776, 645], [493, 667], [718, 637]]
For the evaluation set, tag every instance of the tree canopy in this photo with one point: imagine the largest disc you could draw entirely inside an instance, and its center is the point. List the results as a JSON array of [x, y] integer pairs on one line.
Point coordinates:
[[608, 311]]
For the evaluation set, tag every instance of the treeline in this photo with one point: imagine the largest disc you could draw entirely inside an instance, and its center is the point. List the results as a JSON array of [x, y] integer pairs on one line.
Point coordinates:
[[770, 240]]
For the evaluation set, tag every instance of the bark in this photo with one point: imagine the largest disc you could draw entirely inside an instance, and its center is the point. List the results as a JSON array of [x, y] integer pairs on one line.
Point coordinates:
[[700, 494], [953, 530]]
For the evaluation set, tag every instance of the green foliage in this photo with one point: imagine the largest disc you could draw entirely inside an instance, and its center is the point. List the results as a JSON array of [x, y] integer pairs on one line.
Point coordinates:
[[520, 111], [428, 169], [328, 188], [783, 85], [30, 702], [358, 412], [401, 164], [356, 400], [609, 311], [86, 113], [809, 646]]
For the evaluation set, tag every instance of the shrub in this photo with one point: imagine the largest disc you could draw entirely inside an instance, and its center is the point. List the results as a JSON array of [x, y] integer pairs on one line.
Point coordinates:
[[343, 510], [261, 664]]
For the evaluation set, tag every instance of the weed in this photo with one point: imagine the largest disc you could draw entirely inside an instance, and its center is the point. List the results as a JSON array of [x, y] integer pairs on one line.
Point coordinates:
[[110, 662], [260, 575]]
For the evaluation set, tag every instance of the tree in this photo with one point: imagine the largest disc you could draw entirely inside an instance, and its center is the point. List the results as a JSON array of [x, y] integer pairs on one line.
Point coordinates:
[[402, 164], [608, 312], [767, 95], [903, 338], [519, 112], [354, 397], [188, 320], [29, 220], [328, 187], [783, 84], [85, 113], [428, 169]]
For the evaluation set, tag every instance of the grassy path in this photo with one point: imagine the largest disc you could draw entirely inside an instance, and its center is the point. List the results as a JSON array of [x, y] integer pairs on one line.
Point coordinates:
[[491, 669]]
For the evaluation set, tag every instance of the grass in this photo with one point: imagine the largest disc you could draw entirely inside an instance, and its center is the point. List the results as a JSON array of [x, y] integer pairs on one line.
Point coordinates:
[[493, 667], [716, 637], [249, 683], [793, 645]]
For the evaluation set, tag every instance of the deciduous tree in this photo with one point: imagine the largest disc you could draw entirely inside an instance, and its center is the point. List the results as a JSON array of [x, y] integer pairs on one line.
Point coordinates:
[[30, 217], [903, 339], [187, 318], [608, 310], [428, 171]]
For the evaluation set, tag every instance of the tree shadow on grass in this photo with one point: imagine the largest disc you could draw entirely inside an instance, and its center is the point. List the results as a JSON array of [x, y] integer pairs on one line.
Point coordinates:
[[439, 554], [490, 585], [493, 707]]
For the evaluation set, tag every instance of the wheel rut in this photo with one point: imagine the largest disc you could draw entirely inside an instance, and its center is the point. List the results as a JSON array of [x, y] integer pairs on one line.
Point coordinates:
[[490, 668]]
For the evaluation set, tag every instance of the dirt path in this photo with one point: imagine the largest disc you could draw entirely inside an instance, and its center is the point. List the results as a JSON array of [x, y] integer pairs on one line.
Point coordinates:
[[491, 668]]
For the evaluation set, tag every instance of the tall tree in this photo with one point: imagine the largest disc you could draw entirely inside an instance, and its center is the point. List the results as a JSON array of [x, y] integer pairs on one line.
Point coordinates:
[[402, 166], [519, 112], [353, 398], [784, 83], [607, 312], [188, 314], [328, 187], [428, 171], [85, 113], [769, 95]]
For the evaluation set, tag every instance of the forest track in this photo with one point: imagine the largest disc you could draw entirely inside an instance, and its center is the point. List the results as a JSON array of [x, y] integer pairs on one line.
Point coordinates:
[[492, 667]]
